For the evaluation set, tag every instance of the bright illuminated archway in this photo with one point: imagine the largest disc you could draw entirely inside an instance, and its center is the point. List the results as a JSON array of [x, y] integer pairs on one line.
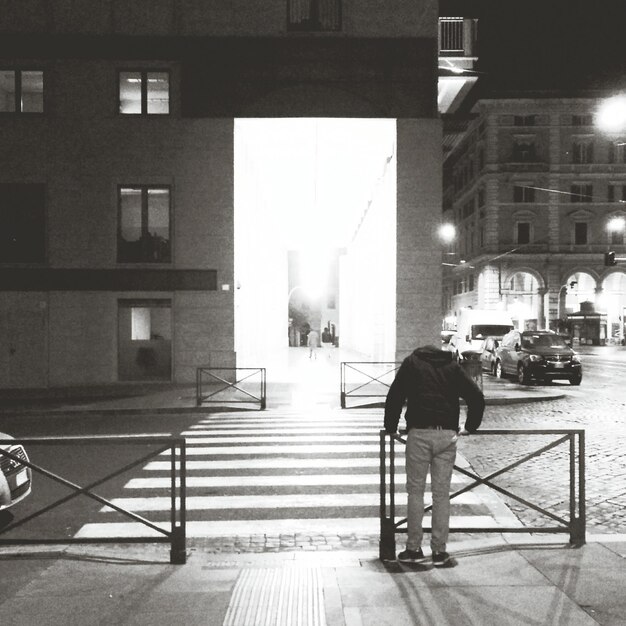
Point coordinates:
[[323, 189]]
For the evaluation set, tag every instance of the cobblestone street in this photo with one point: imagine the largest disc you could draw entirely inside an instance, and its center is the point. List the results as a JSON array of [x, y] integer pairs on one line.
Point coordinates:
[[544, 480]]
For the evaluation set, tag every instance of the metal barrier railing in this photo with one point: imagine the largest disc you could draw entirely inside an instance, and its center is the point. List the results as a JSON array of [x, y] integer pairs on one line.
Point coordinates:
[[175, 536], [202, 397], [575, 526], [351, 366]]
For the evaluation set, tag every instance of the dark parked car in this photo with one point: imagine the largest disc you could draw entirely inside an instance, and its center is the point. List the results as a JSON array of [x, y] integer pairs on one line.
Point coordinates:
[[488, 354], [537, 354]]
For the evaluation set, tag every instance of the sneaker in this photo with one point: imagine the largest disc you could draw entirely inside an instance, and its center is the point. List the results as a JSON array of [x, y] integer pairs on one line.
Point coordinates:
[[440, 559], [411, 556]]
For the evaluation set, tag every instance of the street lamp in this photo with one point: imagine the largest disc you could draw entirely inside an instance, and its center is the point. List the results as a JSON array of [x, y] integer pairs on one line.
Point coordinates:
[[558, 301], [447, 233], [611, 114]]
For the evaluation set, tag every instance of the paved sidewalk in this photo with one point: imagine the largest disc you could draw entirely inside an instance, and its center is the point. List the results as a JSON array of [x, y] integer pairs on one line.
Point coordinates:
[[500, 581], [173, 398]]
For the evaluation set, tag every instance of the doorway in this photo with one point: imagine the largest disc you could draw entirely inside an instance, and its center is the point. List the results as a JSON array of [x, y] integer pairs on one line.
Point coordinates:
[[144, 340]]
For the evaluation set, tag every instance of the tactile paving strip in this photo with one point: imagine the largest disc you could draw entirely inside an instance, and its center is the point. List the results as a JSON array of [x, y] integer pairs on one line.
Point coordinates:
[[286, 596]]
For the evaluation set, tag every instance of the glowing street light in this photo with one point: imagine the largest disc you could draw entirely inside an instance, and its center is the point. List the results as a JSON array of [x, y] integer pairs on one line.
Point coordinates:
[[447, 232], [616, 225], [611, 114]]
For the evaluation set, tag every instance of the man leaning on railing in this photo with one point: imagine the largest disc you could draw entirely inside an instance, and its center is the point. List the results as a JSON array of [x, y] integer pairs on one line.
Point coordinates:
[[431, 381]]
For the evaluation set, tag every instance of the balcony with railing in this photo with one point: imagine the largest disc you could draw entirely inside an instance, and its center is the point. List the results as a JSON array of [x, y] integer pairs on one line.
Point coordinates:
[[312, 16], [457, 37], [457, 60]]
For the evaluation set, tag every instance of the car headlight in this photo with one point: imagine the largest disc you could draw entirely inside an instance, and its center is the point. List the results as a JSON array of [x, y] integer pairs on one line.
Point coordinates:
[[575, 358], [535, 358]]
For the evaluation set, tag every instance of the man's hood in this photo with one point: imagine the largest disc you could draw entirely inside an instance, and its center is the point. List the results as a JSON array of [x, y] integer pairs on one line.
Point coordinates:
[[435, 356]]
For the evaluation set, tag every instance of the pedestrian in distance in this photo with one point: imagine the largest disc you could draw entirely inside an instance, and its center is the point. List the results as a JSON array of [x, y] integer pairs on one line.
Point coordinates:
[[313, 341], [431, 382], [326, 340]]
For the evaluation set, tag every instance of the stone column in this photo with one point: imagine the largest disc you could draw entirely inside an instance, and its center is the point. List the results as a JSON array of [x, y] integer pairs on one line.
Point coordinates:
[[418, 251]]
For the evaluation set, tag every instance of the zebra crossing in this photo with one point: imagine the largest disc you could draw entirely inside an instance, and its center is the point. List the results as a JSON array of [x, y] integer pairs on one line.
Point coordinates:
[[276, 472]]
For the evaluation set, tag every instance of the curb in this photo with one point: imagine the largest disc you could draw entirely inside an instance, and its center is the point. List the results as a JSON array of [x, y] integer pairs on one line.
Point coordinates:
[[493, 401]]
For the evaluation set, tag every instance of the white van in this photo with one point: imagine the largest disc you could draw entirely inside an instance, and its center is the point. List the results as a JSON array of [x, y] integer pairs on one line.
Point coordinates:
[[474, 325]]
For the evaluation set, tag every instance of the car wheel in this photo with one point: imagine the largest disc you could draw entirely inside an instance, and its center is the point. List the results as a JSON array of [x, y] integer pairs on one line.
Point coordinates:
[[498, 370], [522, 375], [575, 380]]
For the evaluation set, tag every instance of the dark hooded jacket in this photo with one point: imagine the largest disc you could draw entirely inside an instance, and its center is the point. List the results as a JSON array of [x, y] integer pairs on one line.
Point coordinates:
[[431, 381]]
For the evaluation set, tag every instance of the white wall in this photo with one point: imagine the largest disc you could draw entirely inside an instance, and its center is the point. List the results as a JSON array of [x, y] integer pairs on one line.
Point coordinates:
[[368, 273]]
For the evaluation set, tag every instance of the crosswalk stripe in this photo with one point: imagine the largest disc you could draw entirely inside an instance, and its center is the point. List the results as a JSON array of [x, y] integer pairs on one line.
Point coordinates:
[[299, 480], [290, 501], [271, 463], [218, 430], [333, 448], [275, 527], [279, 439], [269, 420]]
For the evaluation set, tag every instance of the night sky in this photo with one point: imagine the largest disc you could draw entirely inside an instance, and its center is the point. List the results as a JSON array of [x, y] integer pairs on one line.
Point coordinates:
[[551, 47]]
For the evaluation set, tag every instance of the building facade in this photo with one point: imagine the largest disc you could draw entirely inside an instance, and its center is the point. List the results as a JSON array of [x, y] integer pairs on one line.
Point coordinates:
[[116, 169], [537, 192]]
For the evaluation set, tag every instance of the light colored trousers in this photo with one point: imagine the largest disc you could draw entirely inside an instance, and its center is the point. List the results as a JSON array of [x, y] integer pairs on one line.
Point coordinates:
[[434, 450]]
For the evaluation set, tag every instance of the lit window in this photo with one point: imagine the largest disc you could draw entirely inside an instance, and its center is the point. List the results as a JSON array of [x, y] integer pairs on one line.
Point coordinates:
[[144, 225], [142, 92], [21, 91]]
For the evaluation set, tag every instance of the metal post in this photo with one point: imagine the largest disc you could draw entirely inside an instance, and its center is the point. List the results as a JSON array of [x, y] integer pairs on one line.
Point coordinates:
[[342, 390], [198, 391], [263, 390], [387, 542], [578, 523], [581, 537], [178, 551]]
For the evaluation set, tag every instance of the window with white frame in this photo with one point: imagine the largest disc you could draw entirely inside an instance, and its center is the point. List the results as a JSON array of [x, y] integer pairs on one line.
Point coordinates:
[[143, 224], [21, 91], [144, 92]]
